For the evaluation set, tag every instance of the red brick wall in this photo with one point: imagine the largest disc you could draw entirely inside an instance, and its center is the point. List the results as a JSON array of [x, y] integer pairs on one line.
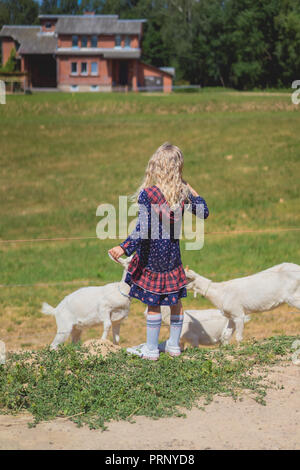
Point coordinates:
[[106, 41], [150, 71], [7, 45], [64, 71], [168, 83], [103, 41], [134, 41], [64, 41]]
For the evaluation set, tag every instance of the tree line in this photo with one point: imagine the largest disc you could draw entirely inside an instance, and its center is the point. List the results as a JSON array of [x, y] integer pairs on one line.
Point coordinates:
[[241, 44]]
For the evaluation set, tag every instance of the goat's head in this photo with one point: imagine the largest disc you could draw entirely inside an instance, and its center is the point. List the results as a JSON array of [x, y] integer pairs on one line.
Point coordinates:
[[197, 283], [191, 277], [125, 263]]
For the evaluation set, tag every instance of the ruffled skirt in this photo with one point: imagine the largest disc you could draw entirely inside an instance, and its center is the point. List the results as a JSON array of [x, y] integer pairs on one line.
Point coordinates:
[[152, 298]]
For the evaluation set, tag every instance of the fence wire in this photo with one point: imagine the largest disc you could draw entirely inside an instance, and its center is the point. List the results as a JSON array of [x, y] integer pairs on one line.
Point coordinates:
[[87, 281]]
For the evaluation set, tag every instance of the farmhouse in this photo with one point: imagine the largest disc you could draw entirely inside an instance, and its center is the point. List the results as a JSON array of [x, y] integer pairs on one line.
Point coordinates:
[[83, 53]]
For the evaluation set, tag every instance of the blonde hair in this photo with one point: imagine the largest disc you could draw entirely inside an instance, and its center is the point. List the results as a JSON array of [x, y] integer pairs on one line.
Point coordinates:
[[164, 170]]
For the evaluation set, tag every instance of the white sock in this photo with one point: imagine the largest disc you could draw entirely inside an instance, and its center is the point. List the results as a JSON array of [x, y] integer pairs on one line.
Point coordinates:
[[153, 329], [175, 330]]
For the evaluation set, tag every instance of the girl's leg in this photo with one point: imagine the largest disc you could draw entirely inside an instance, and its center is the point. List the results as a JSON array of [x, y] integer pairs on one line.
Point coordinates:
[[150, 349], [153, 327], [176, 323]]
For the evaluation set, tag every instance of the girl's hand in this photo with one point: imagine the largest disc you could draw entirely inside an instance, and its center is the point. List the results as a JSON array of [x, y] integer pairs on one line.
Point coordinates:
[[194, 193], [116, 252]]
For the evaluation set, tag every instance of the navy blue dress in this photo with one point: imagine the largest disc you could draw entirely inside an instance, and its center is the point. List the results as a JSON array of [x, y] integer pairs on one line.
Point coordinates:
[[155, 273]]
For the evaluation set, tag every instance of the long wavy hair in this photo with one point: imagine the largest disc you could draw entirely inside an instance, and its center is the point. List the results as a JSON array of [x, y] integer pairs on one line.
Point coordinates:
[[164, 170]]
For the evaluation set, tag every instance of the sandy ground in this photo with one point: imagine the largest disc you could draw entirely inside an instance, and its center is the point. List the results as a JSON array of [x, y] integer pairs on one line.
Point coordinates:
[[224, 424]]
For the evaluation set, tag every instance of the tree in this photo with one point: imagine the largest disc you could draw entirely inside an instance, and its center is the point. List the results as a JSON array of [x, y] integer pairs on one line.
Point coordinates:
[[287, 47], [18, 12], [10, 65], [207, 62]]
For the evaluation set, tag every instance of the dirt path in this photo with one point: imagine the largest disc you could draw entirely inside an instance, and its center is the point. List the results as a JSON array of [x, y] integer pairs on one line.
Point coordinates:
[[224, 425]]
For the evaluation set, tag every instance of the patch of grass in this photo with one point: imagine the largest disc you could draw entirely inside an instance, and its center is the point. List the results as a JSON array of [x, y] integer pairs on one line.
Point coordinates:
[[62, 155], [90, 389]]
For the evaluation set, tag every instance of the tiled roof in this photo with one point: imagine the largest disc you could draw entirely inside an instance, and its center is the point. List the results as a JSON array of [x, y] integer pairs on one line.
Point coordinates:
[[31, 39], [20, 33], [94, 24]]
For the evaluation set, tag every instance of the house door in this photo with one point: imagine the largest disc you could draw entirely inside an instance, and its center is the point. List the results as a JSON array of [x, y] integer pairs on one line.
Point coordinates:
[[123, 72], [42, 70]]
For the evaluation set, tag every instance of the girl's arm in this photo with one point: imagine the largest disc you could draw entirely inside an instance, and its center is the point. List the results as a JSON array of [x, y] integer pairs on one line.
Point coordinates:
[[197, 201], [140, 232]]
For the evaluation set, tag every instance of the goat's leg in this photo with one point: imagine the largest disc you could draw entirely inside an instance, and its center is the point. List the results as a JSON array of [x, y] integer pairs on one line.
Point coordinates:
[[61, 337], [64, 324], [106, 327], [238, 320], [226, 335], [227, 332], [116, 332], [239, 328], [76, 334]]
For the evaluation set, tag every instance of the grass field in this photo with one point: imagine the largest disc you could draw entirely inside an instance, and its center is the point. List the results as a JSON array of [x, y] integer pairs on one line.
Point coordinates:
[[64, 154], [75, 384]]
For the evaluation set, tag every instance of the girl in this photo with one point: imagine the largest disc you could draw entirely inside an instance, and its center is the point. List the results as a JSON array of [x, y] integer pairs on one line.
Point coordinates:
[[155, 273]]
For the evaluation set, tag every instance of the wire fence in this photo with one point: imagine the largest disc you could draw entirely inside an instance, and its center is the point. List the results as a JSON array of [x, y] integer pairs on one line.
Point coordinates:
[[88, 281], [231, 232]]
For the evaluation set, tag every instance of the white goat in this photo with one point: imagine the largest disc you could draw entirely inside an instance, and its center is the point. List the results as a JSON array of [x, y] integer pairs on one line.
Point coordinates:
[[259, 292], [202, 327], [90, 306]]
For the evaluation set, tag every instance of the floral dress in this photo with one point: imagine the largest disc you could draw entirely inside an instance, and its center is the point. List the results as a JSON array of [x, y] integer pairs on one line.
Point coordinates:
[[155, 273]]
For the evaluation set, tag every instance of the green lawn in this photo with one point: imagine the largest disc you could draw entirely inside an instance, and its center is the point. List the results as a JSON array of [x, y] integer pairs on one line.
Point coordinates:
[[64, 154]]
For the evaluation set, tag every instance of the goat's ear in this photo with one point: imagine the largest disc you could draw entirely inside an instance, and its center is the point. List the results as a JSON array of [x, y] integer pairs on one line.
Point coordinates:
[[125, 261], [122, 261]]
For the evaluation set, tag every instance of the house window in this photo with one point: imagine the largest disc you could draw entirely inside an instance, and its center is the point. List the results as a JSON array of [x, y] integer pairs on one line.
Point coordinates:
[[94, 68], [84, 41], [127, 41], [74, 41], [48, 25], [94, 41], [74, 87], [74, 68], [94, 87], [84, 68], [118, 41]]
